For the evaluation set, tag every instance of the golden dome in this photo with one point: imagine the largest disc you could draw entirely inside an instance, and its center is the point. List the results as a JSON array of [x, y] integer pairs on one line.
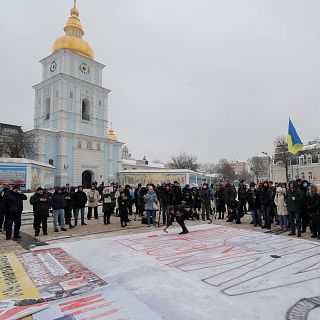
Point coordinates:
[[111, 135], [73, 39]]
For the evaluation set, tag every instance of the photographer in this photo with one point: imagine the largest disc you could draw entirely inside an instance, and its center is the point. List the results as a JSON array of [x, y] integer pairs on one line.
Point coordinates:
[[180, 212]]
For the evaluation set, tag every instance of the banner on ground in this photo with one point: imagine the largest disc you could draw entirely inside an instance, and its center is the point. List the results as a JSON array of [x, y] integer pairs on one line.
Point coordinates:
[[14, 281], [111, 302], [58, 275], [15, 309]]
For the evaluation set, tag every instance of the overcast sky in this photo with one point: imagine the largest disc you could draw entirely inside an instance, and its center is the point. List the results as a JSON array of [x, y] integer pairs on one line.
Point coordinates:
[[218, 79]]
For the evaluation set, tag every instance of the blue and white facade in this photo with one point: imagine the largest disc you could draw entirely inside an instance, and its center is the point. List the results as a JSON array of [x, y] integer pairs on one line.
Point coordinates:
[[71, 120]]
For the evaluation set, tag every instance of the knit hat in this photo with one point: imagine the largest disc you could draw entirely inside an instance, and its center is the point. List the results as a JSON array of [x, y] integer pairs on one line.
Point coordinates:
[[279, 190]]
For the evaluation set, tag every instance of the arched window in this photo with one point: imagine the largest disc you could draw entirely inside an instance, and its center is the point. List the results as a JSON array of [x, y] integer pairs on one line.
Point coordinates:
[[86, 110], [47, 109], [51, 162], [309, 159], [98, 147]]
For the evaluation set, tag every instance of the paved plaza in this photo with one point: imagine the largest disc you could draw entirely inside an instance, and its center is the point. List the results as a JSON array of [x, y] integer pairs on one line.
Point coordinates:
[[224, 270]]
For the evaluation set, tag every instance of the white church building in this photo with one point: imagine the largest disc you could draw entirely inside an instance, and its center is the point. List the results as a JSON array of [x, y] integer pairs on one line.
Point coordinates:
[[71, 113]]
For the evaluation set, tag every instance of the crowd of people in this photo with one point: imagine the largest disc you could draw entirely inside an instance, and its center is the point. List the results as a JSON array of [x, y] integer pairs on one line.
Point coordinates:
[[293, 206]]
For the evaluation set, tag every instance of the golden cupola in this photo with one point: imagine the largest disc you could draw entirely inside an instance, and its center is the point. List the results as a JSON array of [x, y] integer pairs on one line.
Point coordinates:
[[73, 38], [111, 135]]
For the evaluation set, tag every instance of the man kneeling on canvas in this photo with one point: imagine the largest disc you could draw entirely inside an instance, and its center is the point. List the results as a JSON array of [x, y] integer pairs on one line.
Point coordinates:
[[180, 212]]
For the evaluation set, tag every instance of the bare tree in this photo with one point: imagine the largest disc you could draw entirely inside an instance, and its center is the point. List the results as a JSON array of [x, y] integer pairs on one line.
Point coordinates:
[[184, 161], [226, 170], [257, 167], [208, 168], [18, 145], [281, 154], [244, 175]]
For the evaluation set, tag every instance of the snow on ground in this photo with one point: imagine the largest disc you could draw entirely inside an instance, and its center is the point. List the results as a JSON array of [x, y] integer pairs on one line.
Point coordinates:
[[214, 272]]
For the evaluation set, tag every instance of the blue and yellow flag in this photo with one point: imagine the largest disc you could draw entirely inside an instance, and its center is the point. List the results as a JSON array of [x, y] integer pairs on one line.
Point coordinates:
[[294, 142]]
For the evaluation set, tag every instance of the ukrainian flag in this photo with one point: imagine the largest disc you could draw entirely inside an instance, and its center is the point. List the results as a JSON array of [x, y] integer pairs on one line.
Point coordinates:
[[294, 142]]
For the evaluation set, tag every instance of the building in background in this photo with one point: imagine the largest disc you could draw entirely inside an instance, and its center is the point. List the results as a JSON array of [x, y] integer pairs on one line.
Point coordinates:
[[130, 163], [305, 164], [71, 113], [159, 176]]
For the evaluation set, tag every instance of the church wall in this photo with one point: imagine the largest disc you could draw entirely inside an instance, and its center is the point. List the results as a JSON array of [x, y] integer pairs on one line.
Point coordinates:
[[91, 160], [115, 158], [106, 162], [51, 149], [70, 149]]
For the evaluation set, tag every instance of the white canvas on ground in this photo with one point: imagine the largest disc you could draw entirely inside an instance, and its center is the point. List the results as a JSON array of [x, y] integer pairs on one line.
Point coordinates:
[[214, 272]]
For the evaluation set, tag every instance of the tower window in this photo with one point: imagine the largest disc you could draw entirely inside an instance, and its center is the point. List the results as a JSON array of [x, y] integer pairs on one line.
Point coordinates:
[[100, 103], [98, 147], [86, 109], [51, 162], [71, 95], [47, 109]]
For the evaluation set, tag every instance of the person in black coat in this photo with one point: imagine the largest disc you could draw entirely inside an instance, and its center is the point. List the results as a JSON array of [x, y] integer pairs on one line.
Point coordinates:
[[13, 201], [229, 194], [123, 209], [294, 199], [107, 205], [220, 203], [2, 207], [266, 203], [79, 200], [254, 203], [313, 207], [166, 201], [180, 212], [176, 194], [69, 205], [41, 203]]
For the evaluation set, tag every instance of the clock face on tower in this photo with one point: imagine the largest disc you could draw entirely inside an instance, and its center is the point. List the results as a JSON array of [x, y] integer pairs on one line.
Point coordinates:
[[53, 66], [84, 68]]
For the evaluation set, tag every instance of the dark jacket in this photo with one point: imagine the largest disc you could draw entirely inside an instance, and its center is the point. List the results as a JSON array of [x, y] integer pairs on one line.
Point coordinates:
[[266, 197], [40, 207], [123, 207], [254, 201], [166, 197], [79, 199], [58, 201], [176, 195], [2, 194], [220, 203], [107, 202], [205, 196], [294, 199], [242, 193], [14, 202], [229, 194]]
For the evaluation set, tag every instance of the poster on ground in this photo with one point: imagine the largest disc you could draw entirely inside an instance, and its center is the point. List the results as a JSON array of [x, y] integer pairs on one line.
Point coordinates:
[[57, 275], [15, 309], [108, 303], [14, 281]]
